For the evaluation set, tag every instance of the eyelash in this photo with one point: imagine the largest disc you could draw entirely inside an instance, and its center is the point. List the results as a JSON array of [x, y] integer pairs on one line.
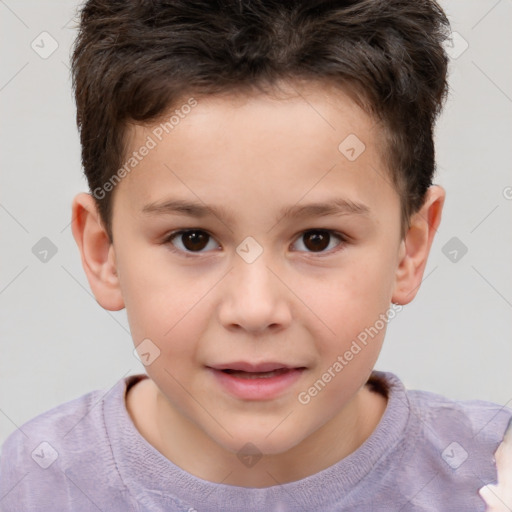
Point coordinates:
[[191, 254]]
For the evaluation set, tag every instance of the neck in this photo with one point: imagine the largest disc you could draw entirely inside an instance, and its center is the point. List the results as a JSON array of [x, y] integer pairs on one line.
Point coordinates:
[[198, 454]]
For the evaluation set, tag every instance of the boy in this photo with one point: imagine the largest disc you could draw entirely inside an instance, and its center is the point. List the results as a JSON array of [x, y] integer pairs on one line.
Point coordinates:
[[262, 205]]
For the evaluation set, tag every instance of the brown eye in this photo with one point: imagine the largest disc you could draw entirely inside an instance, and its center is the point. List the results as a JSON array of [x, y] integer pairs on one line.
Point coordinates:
[[192, 240], [318, 240]]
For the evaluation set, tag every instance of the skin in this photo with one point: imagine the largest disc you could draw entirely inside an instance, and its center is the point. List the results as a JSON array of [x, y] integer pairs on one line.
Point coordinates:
[[296, 304]]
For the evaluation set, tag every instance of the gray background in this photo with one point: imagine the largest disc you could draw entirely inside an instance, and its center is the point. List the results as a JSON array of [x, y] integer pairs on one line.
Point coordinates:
[[57, 343]]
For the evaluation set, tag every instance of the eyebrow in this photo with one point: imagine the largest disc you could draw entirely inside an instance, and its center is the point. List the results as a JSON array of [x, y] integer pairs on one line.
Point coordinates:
[[336, 206]]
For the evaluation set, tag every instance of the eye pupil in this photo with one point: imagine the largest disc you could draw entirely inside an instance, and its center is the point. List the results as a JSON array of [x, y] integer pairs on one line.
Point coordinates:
[[318, 240], [195, 240]]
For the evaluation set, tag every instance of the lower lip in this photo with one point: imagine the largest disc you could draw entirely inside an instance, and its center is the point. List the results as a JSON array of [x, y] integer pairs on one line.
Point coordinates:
[[262, 388]]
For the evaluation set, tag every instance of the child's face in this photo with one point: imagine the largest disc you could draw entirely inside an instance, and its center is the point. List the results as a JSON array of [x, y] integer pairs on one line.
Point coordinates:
[[300, 303]]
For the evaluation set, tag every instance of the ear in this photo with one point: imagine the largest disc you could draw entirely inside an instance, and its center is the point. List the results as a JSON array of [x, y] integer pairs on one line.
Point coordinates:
[[97, 252], [415, 247]]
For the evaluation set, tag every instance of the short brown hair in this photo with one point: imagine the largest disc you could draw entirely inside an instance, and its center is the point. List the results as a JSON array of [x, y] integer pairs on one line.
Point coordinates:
[[133, 59]]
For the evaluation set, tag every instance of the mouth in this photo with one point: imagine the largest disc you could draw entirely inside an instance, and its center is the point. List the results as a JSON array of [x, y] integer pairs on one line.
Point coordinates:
[[262, 381], [257, 375]]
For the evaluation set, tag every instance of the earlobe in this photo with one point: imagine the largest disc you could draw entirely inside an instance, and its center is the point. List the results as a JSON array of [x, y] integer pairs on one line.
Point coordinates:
[[97, 252], [415, 247]]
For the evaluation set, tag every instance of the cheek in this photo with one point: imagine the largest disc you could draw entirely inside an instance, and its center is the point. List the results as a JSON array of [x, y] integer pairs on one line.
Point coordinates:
[[350, 298], [159, 299]]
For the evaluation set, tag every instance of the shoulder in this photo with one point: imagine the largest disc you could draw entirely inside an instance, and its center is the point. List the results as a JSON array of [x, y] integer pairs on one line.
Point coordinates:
[[52, 428], [474, 422], [58, 455], [453, 443], [445, 453]]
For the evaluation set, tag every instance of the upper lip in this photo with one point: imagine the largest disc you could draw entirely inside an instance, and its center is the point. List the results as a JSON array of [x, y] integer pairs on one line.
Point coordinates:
[[252, 367]]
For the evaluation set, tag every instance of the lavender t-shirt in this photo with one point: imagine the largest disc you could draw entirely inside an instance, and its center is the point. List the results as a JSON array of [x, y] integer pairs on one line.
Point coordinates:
[[427, 453]]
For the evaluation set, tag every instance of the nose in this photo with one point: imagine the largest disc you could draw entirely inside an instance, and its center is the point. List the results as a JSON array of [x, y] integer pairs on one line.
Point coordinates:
[[254, 298]]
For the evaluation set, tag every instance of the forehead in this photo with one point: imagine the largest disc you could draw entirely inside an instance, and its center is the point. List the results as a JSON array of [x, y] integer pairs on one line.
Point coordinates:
[[303, 140]]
